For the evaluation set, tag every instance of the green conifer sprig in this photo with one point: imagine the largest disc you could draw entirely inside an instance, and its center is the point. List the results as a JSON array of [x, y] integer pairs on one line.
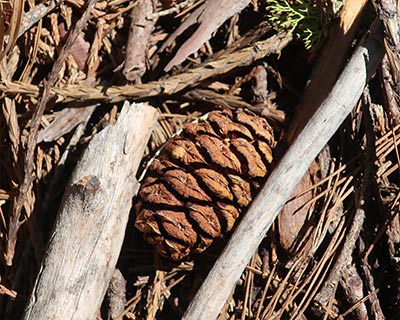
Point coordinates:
[[298, 16]]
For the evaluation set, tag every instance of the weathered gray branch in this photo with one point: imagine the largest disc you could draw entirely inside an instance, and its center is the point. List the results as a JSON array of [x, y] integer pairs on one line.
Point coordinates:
[[220, 282], [89, 230]]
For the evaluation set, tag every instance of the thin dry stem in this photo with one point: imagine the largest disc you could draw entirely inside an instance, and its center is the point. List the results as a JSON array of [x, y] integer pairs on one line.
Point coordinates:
[[169, 86], [15, 223]]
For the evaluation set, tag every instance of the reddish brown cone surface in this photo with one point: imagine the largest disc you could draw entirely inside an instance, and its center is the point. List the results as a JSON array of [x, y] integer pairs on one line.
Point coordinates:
[[203, 179]]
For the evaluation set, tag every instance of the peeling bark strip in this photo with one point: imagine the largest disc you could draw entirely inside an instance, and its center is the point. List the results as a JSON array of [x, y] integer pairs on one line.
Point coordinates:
[[220, 282], [210, 16], [89, 229]]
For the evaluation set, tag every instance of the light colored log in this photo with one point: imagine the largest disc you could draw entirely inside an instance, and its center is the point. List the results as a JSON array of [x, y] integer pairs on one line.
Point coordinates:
[[90, 226], [220, 282]]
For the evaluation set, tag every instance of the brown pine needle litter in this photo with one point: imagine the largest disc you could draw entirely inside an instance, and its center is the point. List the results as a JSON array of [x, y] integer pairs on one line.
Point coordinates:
[[333, 252]]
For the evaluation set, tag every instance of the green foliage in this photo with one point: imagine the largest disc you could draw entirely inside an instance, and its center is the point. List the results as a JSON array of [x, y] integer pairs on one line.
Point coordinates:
[[298, 16]]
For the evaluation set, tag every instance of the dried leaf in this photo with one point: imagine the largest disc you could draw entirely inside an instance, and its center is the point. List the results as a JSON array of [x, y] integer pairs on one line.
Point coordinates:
[[80, 50], [295, 213]]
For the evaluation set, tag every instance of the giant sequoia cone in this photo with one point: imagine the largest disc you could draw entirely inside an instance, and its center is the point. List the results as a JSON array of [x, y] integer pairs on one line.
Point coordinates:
[[203, 179]]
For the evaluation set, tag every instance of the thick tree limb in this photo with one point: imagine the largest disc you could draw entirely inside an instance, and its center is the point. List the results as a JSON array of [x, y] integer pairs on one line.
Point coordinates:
[[89, 229], [220, 282]]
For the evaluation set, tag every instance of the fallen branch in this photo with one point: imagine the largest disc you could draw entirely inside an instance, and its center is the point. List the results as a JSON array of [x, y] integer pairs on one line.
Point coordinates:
[[169, 86], [138, 41], [89, 230], [220, 282], [18, 203]]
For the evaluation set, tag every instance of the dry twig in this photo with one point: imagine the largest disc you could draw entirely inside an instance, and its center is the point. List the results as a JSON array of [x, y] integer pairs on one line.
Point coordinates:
[[169, 86], [142, 26], [14, 222], [36, 14], [331, 61], [15, 22], [289, 170]]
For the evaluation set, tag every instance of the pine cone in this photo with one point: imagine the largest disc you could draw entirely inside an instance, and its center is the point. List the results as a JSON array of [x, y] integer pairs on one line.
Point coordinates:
[[202, 181]]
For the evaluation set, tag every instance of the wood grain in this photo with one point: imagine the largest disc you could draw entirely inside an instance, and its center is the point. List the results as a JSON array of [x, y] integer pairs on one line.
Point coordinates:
[[89, 230]]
